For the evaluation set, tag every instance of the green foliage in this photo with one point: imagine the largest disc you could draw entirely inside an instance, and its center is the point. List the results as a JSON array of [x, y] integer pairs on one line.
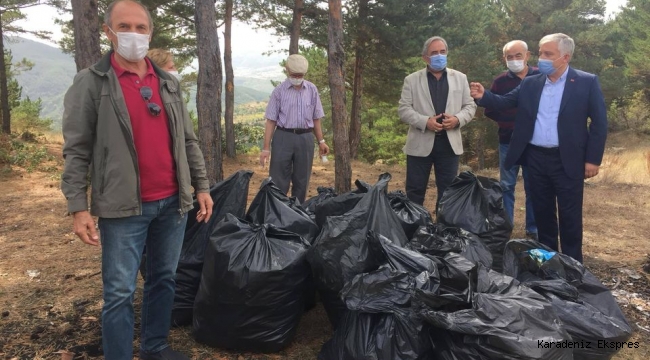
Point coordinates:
[[26, 117], [173, 28], [249, 137], [13, 88], [28, 156], [633, 37], [383, 136], [632, 114]]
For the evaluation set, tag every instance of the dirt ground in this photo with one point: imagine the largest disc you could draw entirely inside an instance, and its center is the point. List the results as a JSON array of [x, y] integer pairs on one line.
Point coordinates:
[[50, 283]]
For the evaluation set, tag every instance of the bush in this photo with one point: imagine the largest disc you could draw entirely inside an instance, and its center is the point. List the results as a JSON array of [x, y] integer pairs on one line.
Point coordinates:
[[631, 114], [19, 153], [25, 118], [249, 137]]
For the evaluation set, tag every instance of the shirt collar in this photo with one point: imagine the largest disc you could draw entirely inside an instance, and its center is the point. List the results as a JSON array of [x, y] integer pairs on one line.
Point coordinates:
[[561, 79], [119, 71]]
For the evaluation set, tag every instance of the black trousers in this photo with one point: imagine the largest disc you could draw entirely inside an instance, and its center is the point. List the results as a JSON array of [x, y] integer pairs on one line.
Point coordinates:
[[418, 169], [555, 197]]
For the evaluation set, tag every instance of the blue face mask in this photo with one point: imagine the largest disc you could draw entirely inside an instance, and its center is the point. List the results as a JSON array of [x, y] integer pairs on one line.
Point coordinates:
[[438, 62], [546, 66]]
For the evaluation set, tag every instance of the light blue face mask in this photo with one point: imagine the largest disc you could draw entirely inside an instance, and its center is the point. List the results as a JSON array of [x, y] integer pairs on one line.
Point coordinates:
[[438, 62], [546, 66]]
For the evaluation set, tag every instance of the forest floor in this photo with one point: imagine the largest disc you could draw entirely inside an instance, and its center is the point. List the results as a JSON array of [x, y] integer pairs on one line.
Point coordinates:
[[50, 283]]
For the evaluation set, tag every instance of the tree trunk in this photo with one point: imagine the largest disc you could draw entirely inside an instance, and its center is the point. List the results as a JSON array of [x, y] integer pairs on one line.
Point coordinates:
[[295, 26], [208, 91], [336, 57], [357, 87], [4, 92], [230, 83], [86, 35]]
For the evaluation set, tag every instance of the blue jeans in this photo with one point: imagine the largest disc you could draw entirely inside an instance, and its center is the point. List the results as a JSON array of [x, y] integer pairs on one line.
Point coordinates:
[[161, 228], [508, 182]]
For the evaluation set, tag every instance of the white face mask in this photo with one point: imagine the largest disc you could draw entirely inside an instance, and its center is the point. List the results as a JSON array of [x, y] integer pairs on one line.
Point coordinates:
[[175, 74], [515, 65], [132, 46], [295, 81]]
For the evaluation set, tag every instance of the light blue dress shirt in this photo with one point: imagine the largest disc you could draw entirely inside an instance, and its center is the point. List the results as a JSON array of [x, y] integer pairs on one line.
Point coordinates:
[[545, 133]]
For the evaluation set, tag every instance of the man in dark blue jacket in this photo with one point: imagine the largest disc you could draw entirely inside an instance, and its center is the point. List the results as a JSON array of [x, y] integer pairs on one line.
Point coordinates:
[[554, 138]]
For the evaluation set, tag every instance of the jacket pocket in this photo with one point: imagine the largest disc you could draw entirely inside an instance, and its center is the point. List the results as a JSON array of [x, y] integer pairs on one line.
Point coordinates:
[[102, 171]]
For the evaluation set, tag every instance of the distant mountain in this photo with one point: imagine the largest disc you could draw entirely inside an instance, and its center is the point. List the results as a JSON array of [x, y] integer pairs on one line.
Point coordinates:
[[50, 77], [54, 71]]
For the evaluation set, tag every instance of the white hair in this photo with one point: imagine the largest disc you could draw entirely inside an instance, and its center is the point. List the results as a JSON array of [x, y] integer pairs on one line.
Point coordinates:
[[512, 43], [564, 43]]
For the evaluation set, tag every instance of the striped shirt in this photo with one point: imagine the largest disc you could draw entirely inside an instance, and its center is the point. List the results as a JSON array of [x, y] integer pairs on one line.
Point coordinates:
[[293, 108]]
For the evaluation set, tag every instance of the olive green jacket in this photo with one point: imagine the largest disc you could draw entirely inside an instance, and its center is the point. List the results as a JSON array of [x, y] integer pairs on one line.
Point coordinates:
[[98, 138]]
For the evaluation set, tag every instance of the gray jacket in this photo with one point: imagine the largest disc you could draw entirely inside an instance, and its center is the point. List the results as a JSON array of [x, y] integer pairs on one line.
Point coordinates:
[[99, 138]]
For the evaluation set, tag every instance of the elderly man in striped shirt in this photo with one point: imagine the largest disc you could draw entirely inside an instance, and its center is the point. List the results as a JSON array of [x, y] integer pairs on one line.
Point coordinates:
[[293, 118]]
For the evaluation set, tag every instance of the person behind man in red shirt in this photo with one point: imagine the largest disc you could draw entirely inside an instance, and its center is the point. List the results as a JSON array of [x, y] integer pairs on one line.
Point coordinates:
[[126, 124]]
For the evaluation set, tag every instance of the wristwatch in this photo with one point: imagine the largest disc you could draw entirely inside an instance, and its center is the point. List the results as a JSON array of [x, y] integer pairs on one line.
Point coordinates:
[[322, 141]]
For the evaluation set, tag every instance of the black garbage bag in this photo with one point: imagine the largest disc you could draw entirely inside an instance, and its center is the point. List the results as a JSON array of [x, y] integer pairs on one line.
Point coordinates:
[[229, 197], [475, 203], [339, 205], [252, 286], [381, 323], [457, 281], [341, 251], [587, 309], [400, 258], [310, 204], [410, 214], [438, 239], [272, 206], [505, 321]]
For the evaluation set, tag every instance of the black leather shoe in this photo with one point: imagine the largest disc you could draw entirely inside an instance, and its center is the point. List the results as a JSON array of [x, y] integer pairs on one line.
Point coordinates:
[[164, 354]]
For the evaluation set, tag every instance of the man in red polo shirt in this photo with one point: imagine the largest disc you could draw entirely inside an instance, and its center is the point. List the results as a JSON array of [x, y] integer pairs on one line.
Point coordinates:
[[125, 122]]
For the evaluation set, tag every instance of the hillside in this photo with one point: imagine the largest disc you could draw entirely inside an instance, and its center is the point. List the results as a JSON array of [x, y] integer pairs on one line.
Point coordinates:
[[54, 71]]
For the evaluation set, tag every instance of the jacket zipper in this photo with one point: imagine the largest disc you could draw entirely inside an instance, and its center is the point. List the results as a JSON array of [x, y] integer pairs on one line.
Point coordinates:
[[129, 140]]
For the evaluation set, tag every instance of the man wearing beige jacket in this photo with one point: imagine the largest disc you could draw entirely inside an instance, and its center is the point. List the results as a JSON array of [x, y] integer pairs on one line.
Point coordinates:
[[435, 103]]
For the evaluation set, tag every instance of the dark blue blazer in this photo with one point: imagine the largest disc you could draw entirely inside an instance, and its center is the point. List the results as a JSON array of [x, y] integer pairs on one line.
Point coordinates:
[[580, 141]]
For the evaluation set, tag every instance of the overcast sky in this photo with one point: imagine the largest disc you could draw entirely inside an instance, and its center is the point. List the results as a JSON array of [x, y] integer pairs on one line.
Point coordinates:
[[42, 18]]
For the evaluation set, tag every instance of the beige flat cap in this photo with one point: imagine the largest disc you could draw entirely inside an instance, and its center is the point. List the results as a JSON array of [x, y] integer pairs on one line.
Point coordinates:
[[297, 64]]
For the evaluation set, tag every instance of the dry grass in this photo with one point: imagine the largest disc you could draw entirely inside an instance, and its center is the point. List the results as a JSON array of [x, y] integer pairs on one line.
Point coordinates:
[[625, 166]]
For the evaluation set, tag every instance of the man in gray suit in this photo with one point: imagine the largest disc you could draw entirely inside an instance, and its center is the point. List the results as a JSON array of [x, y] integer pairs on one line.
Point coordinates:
[[435, 103]]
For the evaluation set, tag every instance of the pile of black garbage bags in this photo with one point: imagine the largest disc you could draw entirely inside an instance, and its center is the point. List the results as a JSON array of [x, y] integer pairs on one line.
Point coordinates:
[[395, 285]]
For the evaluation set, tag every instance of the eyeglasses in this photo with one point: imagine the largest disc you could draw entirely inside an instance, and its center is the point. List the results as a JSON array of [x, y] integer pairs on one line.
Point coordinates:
[[147, 93]]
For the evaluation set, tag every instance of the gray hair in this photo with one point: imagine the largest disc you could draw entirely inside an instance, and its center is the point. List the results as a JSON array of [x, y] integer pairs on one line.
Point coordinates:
[[429, 41], [109, 12], [564, 43], [513, 43]]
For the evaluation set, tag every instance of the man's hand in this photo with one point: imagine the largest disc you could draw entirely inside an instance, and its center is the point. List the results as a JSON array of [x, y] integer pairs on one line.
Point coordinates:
[[591, 170], [476, 90], [264, 156], [433, 124], [449, 122], [323, 149], [84, 226], [205, 207]]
